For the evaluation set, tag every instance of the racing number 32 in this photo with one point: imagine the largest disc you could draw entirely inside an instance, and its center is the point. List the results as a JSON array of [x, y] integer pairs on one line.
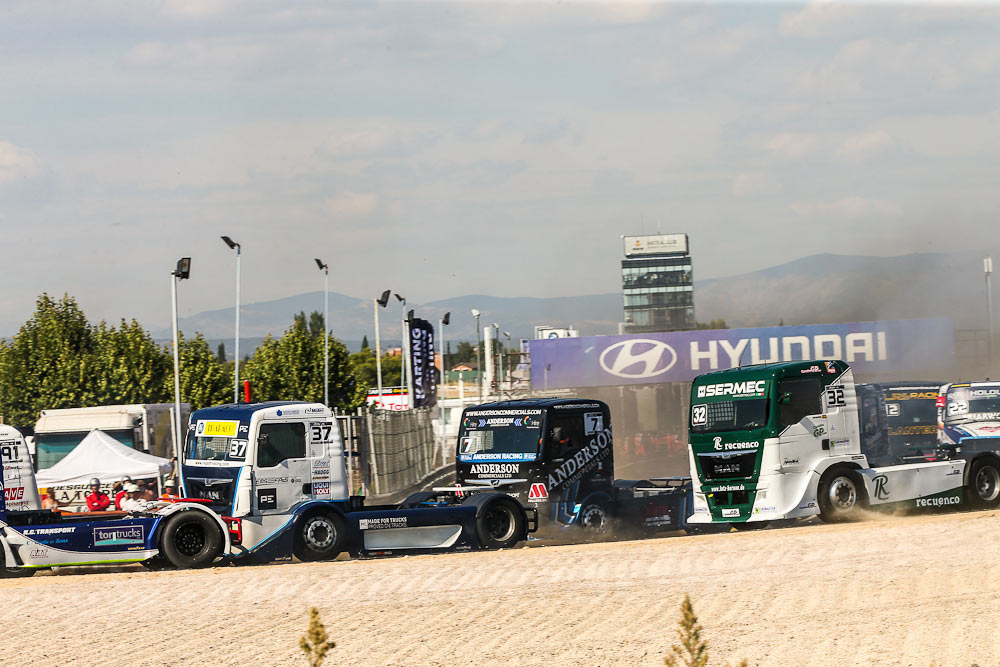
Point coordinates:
[[835, 396]]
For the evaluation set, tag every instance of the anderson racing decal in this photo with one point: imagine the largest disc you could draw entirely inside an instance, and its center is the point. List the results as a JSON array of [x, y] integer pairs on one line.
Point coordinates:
[[583, 461], [494, 469]]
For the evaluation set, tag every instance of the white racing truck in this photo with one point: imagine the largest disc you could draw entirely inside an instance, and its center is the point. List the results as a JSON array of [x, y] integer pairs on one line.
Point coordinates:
[[969, 411], [267, 482], [783, 441]]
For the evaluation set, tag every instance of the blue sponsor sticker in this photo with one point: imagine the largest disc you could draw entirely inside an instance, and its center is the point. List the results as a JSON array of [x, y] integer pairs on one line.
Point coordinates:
[[116, 536]]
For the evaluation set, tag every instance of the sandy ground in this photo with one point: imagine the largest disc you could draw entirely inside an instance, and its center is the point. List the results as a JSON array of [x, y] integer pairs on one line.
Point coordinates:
[[901, 591]]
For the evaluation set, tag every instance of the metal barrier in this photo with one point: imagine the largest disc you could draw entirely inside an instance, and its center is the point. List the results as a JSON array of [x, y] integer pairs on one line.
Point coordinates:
[[388, 451]]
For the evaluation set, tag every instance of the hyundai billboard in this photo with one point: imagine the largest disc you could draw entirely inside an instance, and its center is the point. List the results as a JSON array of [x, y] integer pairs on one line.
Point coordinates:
[[680, 356]]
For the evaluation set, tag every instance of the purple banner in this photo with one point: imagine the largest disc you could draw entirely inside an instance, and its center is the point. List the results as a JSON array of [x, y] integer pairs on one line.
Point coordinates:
[[680, 356]]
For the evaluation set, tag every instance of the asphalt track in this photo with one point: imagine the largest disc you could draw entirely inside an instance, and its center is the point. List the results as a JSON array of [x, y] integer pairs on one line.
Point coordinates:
[[890, 591]]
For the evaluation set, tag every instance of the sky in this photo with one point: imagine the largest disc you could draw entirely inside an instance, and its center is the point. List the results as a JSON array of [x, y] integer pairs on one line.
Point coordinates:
[[442, 149]]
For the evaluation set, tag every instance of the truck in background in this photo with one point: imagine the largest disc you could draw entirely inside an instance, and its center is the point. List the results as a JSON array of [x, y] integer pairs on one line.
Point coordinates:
[[898, 420], [147, 427], [783, 441], [557, 455], [18, 479], [968, 411]]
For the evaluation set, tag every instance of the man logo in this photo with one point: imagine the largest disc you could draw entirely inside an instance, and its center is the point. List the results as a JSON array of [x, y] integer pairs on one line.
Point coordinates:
[[638, 358]]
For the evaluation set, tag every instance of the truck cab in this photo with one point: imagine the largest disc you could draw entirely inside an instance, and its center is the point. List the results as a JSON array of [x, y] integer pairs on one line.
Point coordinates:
[[18, 478], [899, 421], [785, 441], [968, 411], [557, 454], [275, 472]]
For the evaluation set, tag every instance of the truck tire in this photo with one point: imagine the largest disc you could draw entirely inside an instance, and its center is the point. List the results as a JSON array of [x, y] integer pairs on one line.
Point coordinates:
[[594, 518], [500, 523], [319, 536], [982, 490], [190, 539], [841, 496]]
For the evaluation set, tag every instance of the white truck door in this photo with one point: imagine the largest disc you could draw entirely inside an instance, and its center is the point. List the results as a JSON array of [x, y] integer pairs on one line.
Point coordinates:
[[326, 456], [282, 475], [804, 426]]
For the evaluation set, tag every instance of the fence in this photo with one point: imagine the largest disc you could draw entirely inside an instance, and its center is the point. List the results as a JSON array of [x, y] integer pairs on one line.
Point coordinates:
[[388, 451]]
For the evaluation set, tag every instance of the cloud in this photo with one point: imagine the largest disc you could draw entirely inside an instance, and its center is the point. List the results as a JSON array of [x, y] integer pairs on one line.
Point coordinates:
[[753, 183], [825, 19], [17, 163], [350, 206], [378, 142], [863, 146], [547, 133], [852, 207], [793, 145], [194, 9]]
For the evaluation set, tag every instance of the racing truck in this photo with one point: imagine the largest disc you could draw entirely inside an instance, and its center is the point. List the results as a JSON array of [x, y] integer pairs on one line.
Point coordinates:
[[557, 454], [783, 441], [898, 420], [968, 411], [267, 482], [275, 473]]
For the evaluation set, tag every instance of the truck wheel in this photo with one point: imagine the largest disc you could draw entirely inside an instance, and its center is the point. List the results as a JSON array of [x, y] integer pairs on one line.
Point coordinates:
[[500, 523], [190, 539], [983, 489], [594, 519], [841, 495], [319, 536]]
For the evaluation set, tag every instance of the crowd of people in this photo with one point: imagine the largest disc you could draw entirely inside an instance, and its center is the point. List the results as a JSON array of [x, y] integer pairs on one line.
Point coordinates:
[[126, 496]]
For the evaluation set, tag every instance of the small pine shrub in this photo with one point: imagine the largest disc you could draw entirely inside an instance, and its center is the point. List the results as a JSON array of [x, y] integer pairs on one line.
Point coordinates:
[[692, 651], [314, 644]]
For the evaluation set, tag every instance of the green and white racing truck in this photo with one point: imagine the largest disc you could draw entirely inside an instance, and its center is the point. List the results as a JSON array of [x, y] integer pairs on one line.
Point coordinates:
[[784, 441]]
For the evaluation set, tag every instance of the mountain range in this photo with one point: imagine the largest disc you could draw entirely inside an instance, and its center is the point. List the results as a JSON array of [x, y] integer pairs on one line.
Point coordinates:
[[820, 288]]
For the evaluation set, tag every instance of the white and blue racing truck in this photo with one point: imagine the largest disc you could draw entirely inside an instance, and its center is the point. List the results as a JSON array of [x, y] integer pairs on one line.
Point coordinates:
[[969, 411], [267, 482]]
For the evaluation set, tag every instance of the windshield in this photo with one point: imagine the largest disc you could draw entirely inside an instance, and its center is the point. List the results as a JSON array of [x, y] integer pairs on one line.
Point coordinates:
[[215, 440], [499, 434], [912, 415], [743, 415], [972, 404]]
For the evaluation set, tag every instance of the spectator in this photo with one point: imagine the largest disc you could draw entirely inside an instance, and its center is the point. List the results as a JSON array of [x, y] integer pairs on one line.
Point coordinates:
[[131, 501], [145, 491], [120, 494], [97, 500], [170, 489], [49, 501]]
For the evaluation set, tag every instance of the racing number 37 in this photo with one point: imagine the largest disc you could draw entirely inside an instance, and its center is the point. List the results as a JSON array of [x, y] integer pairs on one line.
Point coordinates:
[[321, 431]]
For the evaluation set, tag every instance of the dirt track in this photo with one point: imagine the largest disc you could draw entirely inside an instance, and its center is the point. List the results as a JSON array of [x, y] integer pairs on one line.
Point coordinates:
[[904, 591]]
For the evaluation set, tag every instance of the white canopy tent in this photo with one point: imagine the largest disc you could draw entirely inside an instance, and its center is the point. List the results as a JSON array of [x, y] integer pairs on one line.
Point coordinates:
[[99, 455]]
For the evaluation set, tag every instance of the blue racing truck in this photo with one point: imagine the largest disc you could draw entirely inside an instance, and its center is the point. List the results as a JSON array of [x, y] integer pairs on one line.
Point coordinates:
[[266, 481]]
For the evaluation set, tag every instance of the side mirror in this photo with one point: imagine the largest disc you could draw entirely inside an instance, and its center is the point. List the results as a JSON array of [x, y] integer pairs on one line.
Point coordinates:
[[262, 441], [786, 398]]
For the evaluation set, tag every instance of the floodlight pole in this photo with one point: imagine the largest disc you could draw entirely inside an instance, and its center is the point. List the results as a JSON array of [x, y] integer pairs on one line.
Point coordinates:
[[988, 270], [479, 351], [233, 245], [180, 273], [326, 338], [444, 441], [379, 302]]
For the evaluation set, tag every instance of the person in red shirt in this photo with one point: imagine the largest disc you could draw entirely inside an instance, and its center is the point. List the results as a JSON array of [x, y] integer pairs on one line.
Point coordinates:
[[120, 496], [97, 500]]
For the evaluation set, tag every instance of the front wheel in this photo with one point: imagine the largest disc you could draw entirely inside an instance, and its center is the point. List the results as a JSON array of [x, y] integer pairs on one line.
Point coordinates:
[[190, 539], [594, 519], [841, 496], [500, 524], [319, 536], [983, 490]]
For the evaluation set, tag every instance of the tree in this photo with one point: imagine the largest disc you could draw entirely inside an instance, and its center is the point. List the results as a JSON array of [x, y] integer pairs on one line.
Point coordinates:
[[48, 363], [127, 366], [291, 368], [204, 379], [464, 352], [364, 342], [314, 324], [220, 352]]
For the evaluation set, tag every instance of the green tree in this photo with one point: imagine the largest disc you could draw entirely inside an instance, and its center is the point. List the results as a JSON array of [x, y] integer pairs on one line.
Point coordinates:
[[291, 368], [204, 379], [364, 342], [464, 353], [47, 364], [127, 366], [220, 352]]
